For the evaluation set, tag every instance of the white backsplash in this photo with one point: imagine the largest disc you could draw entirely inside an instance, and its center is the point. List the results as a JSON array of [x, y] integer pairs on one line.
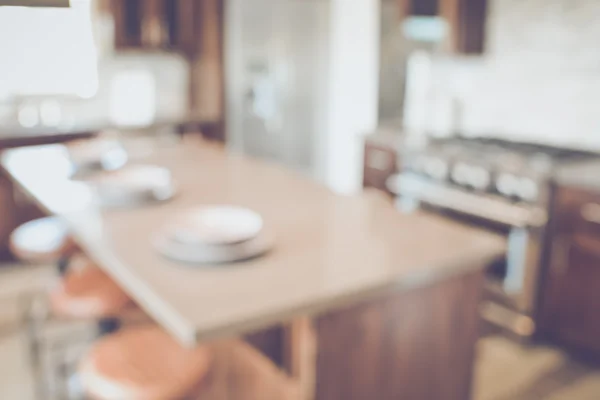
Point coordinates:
[[539, 79], [169, 72]]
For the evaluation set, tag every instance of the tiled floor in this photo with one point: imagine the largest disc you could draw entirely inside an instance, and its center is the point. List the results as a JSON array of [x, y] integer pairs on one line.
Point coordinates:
[[505, 370], [509, 371]]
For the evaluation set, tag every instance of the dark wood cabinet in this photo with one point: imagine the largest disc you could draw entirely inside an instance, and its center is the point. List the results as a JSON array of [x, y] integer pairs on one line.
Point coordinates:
[[466, 20], [193, 29], [380, 162], [570, 303], [420, 8], [127, 15], [414, 345], [154, 24]]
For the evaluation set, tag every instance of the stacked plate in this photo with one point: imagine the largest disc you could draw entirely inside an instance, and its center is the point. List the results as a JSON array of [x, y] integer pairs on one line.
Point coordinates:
[[100, 153], [214, 234], [132, 185]]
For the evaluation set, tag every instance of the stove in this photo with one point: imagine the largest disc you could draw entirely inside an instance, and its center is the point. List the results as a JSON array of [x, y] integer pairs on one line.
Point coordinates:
[[518, 172], [494, 185]]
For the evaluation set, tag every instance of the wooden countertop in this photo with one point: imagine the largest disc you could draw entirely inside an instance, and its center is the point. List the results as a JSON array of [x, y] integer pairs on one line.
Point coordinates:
[[331, 251]]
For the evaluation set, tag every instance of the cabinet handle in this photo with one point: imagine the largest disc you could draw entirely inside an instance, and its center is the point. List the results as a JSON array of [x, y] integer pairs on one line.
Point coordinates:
[[154, 32], [379, 160], [591, 213], [561, 250]]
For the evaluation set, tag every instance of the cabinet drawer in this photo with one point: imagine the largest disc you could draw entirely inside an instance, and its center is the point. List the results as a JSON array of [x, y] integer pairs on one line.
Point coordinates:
[[570, 309], [379, 164], [577, 210]]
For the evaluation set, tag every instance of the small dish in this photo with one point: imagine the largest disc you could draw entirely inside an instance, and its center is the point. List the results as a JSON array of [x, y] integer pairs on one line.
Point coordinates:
[[132, 185], [97, 154], [215, 225], [213, 254]]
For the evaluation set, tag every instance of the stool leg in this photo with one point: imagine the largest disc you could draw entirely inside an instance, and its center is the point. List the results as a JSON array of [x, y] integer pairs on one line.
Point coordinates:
[[106, 326], [34, 349], [62, 265]]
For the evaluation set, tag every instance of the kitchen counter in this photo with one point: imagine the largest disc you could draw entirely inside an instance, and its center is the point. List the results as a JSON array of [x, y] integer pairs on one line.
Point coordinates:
[[16, 136], [584, 175], [330, 251], [362, 271]]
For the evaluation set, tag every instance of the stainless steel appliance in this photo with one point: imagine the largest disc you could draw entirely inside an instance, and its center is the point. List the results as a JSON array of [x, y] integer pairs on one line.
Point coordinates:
[[277, 63], [500, 186]]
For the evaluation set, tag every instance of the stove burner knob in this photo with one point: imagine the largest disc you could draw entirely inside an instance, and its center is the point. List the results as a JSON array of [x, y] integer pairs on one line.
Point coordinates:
[[527, 189], [436, 168], [471, 175], [418, 164], [460, 173], [507, 184], [479, 178]]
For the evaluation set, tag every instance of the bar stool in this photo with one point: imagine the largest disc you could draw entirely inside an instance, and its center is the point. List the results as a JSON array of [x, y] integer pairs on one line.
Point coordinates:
[[41, 240], [145, 363], [86, 292], [83, 293]]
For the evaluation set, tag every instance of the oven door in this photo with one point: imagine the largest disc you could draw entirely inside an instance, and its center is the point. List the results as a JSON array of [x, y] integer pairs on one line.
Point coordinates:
[[512, 284]]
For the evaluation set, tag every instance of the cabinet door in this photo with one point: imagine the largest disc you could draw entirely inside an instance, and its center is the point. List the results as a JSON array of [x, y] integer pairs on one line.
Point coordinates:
[[572, 309], [466, 20], [155, 24], [128, 23], [379, 164]]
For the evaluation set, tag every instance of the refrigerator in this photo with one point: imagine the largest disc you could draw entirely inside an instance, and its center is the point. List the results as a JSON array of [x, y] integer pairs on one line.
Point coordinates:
[[276, 56]]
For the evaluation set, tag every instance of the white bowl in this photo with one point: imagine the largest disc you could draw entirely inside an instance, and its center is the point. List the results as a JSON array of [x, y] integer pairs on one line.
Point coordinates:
[[213, 254], [215, 225], [97, 153], [132, 184]]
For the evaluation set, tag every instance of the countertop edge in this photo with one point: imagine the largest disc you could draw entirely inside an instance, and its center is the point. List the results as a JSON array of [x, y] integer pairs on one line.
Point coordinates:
[[409, 281]]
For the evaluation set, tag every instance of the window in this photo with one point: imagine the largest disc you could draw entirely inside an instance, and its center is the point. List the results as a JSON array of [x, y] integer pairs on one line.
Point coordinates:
[[47, 51]]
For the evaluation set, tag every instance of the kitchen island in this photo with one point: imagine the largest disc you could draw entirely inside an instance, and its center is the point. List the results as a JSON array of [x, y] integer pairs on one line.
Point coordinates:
[[16, 211], [381, 305]]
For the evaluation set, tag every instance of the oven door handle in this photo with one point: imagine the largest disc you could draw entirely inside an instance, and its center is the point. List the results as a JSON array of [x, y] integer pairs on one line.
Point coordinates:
[[486, 207]]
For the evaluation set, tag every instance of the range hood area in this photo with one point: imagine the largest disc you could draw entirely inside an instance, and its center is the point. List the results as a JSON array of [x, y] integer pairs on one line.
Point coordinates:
[[35, 3]]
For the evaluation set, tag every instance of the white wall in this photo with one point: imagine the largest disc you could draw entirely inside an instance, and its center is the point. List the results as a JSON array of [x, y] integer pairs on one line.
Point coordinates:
[[538, 81], [52, 52], [47, 51], [353, 89]]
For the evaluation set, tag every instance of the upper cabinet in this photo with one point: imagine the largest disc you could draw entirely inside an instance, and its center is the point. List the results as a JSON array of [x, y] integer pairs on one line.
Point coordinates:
[[155, 24], [465, 21]]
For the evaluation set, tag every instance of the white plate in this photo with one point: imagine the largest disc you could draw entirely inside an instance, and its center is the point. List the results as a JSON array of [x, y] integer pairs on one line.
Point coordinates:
[[97, 153], [210, 254], [215, 225], [40, 235], [132, 185]]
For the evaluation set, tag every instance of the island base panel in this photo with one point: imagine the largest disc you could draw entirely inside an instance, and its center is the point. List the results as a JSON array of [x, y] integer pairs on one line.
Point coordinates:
[[418, 345]]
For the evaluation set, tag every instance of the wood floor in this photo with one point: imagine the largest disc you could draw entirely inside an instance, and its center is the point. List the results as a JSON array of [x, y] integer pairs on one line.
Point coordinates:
[[504, 371], [508, 371]]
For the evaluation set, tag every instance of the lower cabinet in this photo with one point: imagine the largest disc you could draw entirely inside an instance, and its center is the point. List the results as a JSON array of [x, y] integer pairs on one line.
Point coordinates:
[[571, 304], [15, 209], [379, 164], [271, 342]]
